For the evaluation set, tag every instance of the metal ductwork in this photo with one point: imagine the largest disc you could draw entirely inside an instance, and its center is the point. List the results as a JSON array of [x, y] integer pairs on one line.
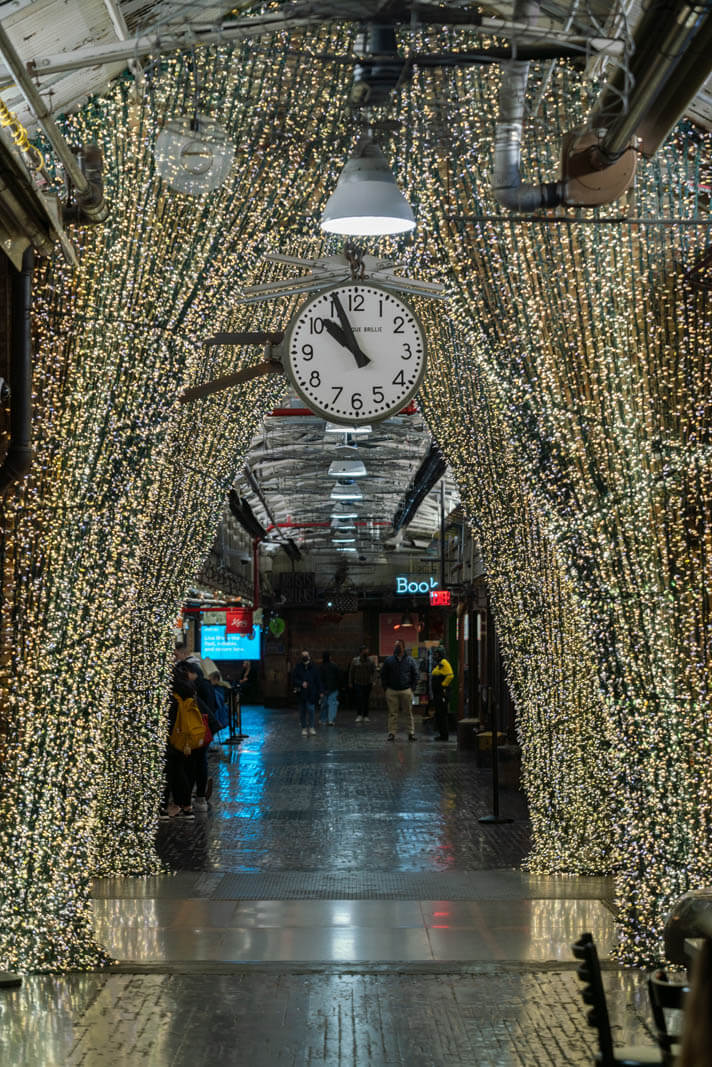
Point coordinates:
[[671, 59], [428, 474], [244, 514], [507, 180]]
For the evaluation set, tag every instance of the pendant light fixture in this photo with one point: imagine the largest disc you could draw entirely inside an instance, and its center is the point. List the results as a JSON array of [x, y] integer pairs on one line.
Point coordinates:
[[366, 201], [193, 155]]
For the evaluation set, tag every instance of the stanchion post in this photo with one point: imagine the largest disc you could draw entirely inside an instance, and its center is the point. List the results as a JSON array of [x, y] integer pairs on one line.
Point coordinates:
[[495, 817]]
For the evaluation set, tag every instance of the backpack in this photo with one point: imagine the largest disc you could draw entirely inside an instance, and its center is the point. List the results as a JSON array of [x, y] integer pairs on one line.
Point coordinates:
[[189, 728]]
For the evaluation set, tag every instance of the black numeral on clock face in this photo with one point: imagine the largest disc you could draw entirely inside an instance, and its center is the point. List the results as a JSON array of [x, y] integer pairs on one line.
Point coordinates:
[[408, 349], [315, 379], [316, 325], [355, 301], [308, 352], [398, 324], [399, 378], [378, 394]]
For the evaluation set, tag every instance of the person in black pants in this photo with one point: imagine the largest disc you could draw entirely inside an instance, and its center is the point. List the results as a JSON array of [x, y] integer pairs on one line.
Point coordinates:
[[441, 680], [179, 780], [205, 696], [362, 672]]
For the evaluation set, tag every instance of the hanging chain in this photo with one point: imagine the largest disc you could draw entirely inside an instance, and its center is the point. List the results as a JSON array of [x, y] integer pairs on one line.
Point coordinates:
[[354, 258]]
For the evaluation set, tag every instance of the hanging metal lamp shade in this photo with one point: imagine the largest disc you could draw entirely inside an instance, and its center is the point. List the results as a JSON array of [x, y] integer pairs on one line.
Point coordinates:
[[367, 201]]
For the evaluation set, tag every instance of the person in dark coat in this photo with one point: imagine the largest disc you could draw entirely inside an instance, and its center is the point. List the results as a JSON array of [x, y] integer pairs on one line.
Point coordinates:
[[362, 674], [399, 677], [330, 676], [307, 686]]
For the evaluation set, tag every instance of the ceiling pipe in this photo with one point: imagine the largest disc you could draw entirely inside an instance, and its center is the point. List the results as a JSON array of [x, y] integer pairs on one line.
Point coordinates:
[[89, 190], [296, 525], [18, 461], [507, 183], [673, 55], [671, 59], [122, 32]]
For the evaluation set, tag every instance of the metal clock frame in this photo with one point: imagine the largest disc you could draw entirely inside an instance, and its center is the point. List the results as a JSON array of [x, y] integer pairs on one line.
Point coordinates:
[[353, 419]]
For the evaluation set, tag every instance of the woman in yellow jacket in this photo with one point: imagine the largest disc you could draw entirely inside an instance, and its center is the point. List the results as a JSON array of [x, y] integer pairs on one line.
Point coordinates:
[[441, 679]]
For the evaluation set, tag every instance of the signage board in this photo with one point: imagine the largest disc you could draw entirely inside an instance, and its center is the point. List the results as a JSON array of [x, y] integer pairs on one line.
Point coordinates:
[[216, 644], [412, 584], [440, 598], [212, 618], [238, 621]]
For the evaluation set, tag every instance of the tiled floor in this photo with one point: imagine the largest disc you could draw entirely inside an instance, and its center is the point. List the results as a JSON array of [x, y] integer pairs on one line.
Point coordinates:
[[339, 904], [362, 931]]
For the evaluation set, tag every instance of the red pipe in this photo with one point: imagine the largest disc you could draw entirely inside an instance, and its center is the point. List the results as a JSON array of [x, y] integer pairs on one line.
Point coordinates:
[[291, 411], [409, 409]]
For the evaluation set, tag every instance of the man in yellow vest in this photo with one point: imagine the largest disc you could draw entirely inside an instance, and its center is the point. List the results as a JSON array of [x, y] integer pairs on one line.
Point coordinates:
[[441, 680]]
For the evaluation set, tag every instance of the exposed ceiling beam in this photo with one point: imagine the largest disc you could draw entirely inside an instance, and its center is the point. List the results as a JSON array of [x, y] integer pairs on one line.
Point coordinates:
[[429, 474], [241, 510]]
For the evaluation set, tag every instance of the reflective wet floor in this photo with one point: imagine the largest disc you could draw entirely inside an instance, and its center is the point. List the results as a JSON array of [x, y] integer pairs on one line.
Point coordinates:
[[339, 903]]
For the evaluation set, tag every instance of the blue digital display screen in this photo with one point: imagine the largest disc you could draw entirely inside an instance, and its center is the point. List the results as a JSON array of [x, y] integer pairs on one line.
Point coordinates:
[[216, 644]]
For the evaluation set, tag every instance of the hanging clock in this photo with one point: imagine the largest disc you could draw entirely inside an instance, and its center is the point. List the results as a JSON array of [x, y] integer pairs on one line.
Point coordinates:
[[355, 353]]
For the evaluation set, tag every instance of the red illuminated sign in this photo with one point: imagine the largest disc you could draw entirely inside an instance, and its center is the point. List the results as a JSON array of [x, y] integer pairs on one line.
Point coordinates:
[[238, 621], [440, 598]]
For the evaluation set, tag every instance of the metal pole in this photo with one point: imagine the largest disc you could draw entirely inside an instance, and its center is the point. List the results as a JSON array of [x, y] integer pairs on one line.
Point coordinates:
[[442, 533], [493, 700]]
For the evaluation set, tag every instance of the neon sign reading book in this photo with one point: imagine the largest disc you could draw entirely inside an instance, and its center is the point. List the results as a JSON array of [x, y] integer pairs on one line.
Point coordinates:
[[406, 583]]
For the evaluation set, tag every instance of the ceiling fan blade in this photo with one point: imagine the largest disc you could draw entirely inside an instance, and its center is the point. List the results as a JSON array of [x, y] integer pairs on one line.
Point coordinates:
[[196, 392]]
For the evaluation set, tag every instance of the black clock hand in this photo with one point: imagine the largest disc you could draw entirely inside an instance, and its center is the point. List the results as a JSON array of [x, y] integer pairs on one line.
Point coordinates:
[[351, 342], [336, 332]]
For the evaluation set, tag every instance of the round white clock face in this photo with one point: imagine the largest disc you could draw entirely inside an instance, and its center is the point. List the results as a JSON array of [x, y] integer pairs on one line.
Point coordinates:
[[356, 353]]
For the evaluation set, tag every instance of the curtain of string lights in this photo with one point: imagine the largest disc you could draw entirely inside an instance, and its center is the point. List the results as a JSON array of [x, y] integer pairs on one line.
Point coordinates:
[[125, 496], [595, 344], [551, 671], [585, 344]]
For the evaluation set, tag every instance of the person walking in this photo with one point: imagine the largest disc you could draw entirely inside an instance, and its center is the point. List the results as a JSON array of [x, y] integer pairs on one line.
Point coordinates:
[[399, 677], [307, 685], [205, 698], [441, 678], [330, 675], [362, 672], [179, 749]]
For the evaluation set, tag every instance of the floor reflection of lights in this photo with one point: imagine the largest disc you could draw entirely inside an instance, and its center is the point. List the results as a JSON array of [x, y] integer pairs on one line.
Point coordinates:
[[360, 930]]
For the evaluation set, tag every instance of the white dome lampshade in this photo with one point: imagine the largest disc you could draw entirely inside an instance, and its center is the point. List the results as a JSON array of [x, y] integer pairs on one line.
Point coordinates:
[[193, 156], [366, 201]]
